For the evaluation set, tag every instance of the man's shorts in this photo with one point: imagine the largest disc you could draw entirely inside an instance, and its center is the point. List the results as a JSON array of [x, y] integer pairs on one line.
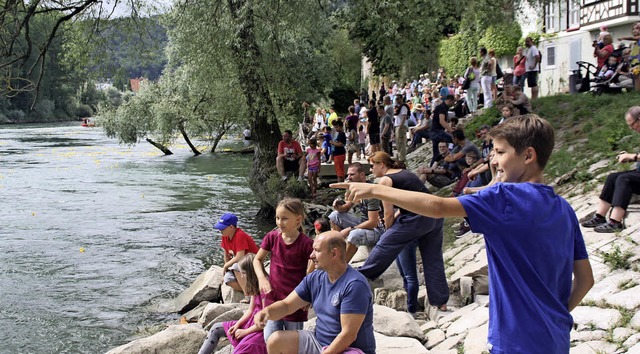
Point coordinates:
[[364, 237], [532, 78], [292, 165], [308, 344], [229, 277]]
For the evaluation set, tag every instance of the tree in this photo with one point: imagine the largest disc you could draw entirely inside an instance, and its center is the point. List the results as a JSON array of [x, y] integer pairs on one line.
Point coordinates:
[[401, 37], [273, 54], [175, 104]]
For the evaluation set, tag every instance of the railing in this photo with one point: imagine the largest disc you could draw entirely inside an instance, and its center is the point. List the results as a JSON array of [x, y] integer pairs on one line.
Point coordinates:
[[596, 11]]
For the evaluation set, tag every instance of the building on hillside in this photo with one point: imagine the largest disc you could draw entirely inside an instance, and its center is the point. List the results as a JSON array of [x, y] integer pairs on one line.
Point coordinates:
[[569, 30], [135, 84]]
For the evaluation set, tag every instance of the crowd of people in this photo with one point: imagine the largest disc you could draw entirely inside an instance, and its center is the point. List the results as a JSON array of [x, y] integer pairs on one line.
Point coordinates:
[[498, 191]]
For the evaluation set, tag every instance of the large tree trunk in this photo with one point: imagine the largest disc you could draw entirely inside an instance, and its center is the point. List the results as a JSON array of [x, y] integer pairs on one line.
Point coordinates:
[[162, 148], [186, 138], [264, 126]]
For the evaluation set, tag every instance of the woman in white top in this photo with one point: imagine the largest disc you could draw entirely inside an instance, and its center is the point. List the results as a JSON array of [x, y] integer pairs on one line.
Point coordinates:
[[318, 121], [474, 85]]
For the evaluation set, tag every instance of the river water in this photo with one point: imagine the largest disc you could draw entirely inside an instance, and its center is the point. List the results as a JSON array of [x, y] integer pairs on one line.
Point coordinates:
[[96, 238]]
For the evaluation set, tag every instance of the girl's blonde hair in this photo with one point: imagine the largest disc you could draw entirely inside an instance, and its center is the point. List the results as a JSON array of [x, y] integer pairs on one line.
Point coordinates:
[[245, 264], [295, 206]]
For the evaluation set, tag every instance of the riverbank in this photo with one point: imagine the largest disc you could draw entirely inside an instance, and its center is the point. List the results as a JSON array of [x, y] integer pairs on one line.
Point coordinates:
[[607, 320]]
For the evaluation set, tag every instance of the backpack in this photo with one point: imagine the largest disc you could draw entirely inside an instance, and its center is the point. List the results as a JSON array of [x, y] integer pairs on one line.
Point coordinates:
[[499, 73]]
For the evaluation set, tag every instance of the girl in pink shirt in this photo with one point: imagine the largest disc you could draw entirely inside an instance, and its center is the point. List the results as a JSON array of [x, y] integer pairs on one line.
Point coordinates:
[[290, 250], [313, 165]]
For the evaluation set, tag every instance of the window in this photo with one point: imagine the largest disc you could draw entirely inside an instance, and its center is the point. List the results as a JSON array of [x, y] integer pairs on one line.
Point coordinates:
[[550, 55], [550, 18], [574, 14]]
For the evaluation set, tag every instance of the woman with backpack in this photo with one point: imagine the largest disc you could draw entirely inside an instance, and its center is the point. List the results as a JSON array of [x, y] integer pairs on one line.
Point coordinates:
[[472, 81]]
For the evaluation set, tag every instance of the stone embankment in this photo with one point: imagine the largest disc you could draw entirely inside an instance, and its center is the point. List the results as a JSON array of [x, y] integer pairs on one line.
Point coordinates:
[[607, 320]]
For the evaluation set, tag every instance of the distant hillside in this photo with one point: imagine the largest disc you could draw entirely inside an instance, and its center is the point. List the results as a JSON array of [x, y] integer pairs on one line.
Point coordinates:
[[132, 49]]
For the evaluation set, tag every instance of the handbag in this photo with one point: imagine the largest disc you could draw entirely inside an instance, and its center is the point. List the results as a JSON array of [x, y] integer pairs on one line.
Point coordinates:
[[466, 83]]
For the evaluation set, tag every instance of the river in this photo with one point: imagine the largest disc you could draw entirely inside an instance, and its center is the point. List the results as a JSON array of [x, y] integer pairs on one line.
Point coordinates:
[[96, 238]]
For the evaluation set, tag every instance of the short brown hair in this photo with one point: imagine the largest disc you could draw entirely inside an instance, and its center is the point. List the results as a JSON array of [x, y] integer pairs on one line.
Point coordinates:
[[336, 241], [526, 131]]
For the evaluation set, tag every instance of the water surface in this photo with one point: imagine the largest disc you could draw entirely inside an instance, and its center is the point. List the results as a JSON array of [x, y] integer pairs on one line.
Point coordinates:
[[97, 237]]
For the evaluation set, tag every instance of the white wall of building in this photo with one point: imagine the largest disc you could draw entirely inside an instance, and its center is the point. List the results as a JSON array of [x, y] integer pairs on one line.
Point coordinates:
[[561, 51]]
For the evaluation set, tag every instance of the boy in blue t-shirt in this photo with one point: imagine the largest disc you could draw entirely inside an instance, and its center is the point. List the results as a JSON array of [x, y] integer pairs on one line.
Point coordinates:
[[533, 240]]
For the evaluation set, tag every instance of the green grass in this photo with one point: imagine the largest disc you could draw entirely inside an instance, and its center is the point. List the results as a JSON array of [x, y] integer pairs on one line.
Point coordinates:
[[588, 129], [617, 259]]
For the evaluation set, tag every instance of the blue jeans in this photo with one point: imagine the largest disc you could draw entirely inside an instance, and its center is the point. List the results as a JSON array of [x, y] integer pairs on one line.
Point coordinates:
[[406, 262], [417, 137], [427, 233], [281, 325]]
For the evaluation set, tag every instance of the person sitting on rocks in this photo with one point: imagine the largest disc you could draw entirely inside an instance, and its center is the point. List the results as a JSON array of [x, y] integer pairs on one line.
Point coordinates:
[[462, 147], [341, 298], [618, 188], [236, 244], [290, 157], [420, 131], [440, 127], [244, 334], [358, 231], [507, 112], [321, 225], [479, 173], [520, 101], [438, 174]]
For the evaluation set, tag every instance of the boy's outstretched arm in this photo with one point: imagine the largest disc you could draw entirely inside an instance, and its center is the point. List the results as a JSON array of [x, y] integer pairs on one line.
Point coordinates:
[[417, 202], [582, 282]]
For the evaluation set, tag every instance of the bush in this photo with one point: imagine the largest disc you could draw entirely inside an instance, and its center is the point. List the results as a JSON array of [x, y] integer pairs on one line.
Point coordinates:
[[44, 110], [342, 98], [84, 110], [15, 115], [503, 38], [454, 53]]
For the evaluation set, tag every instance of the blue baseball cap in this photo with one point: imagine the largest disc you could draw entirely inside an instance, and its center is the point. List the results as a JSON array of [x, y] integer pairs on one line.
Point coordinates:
[[226, 220]]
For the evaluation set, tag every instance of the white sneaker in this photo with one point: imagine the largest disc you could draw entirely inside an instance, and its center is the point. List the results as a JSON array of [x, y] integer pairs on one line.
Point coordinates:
[[300, 179], [284, 178]]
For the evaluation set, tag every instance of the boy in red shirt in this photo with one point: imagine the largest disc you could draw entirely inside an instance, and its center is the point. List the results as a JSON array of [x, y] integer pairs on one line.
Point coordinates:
[[235, 243]]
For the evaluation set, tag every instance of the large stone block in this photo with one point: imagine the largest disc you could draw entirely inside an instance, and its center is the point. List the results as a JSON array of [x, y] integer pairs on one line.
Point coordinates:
[[213, 310], [395, 345], [395, 324], [588, 316], [175, 339], [206, 287]]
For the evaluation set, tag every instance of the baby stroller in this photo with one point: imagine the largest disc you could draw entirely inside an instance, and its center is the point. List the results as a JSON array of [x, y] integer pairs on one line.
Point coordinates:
[[591, 82]]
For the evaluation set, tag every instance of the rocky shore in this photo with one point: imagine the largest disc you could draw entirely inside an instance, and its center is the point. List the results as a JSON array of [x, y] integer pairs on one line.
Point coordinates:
[[607, 320]]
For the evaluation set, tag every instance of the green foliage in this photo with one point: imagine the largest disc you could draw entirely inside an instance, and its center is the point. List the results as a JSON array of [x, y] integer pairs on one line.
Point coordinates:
[[400, 38], [490, 117], [342, 98], [454, 53], [616, 259], [502, 38], [535, 36]]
